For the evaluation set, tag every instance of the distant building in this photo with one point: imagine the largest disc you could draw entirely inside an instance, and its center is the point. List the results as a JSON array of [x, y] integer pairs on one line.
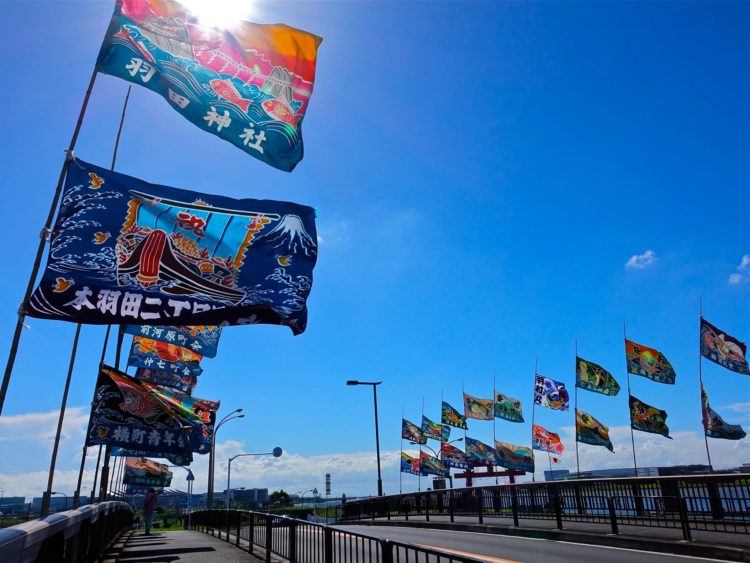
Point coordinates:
[[13, 505], [667, 471], [252, 497], [57, 503]]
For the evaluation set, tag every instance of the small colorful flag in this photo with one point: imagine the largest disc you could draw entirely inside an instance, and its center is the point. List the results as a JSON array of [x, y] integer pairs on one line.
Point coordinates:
[[550, 393], [454, 457], [723, 349], [201, 339], [517, 458], [480, 453], [186, 384], [714, 425], [147, 472], [480, 409], [543, 439], [430, 465], [409, 464], [412, 432], [591, 431], [452, 417], [434, 431], [508, 408], [248, 84], [125, 251], [648, 362], [646, 418], [152, 354], [593, 377]]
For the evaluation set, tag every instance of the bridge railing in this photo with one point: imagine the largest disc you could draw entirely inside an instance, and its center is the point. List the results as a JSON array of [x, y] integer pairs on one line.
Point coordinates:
[[300, 541], [73, 536], [717, 503]]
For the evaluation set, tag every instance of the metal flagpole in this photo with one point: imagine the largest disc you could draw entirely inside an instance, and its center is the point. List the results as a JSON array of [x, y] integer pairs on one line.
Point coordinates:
[[48, 493], [401, 473], [494, 420], [43, 236], [578, 463], [96, 475], [533, 412], [466, 425], [104, 481], [700, 379], [627, 371], [419, 482]]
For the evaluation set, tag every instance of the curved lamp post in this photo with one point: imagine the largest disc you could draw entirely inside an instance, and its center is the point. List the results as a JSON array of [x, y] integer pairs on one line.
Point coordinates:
[[212, 455], [377, 434], [190, 478], [276, 452]]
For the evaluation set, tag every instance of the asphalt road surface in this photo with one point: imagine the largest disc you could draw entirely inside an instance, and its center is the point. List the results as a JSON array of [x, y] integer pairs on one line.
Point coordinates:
[[500, 549]]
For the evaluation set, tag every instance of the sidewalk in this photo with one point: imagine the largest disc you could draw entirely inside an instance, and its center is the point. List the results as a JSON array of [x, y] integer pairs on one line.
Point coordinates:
[[193, 547]]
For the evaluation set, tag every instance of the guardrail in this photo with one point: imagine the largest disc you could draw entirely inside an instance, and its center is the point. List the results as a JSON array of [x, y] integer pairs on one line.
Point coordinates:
[[73, 536], [299, 541], [717, 503]]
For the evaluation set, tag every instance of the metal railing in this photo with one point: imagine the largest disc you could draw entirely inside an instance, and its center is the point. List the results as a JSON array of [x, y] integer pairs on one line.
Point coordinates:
[[716, 503], [299, 541], [80, 535]]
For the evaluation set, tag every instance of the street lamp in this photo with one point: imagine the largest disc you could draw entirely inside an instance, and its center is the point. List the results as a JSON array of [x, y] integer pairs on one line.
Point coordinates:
[[66, 498], [190, 478], [212, 454], [377, 435], [276, 452]]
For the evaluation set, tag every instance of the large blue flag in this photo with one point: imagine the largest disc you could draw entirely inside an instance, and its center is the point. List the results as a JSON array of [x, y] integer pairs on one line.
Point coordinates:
[[202, 340], [161, 356], [125, 252]]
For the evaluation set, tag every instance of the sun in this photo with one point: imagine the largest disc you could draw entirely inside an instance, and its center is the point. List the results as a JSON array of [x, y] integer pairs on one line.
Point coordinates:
[[220, 13]]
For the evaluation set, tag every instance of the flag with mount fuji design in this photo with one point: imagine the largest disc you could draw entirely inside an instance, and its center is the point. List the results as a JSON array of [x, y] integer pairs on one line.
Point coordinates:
[[124, 251]]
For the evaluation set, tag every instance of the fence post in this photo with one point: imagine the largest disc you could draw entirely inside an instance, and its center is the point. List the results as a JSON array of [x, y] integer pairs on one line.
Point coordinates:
[[239, 522], [292, 555], [251, 535], [327, 544], [514, 505], [612, 515], [684, 520], [558, 508], [386, 551], [226, 523], [427, 503], [480, 505], [450, 505], [269, 537]]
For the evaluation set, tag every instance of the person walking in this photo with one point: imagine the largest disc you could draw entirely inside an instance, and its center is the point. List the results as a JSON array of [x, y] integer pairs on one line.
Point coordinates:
[[149, 510]]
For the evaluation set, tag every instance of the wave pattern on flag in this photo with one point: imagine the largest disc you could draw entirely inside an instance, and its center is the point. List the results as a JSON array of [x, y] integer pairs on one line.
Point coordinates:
[[550, 393]]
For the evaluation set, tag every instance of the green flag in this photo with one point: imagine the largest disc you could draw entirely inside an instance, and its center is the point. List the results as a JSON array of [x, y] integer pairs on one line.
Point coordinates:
[[591, 431], [646, 418], [452, 417], [593, 377]]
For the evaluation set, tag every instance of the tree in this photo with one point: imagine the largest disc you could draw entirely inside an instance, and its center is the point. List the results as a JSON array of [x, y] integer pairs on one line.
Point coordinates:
[[280, 498]]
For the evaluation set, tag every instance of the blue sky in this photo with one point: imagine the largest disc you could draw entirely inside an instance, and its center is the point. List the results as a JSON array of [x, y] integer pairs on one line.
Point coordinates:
[[483, 173]]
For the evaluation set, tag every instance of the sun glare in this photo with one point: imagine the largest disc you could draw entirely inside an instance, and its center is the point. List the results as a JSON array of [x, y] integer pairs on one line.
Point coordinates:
[[220, 13]]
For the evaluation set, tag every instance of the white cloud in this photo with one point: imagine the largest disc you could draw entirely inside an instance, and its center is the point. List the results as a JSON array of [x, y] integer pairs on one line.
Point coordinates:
[[641, 261], [739, 276]]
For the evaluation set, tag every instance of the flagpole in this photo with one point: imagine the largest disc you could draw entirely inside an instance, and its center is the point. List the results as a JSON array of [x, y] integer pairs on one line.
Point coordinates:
[[96, 475], [533, 412], [104, 481], [494, 420], [578, 463], [700, 379], [401, 473], [549, 459], [627, 371], [43, 236], [419, 477]]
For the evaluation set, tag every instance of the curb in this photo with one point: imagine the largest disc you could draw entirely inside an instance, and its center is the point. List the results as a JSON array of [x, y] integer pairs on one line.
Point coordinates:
[[711, 551]]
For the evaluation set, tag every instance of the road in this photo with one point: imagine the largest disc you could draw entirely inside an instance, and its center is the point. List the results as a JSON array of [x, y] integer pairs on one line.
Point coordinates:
[[499, 549]]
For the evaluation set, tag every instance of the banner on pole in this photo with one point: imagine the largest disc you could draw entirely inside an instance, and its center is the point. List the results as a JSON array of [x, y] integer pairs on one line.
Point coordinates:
[[550, 393], [162, 356], [646, 418], [591, 431], [543, 439], [454, 457], [142, 471], [508, 408], [517, 458], [648, 362], [480, 409], [186, 384], [593, 377], [452, 417], [722, 348], [409, 464], [202, 339], [715, 426], [185, 458], [412, 432], [125, 251], [434, 431], [430, 465], [480, 453]]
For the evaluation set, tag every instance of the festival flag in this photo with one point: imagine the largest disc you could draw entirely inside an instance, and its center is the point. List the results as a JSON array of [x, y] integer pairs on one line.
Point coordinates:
[[142, 471], [184, 458], [452, 417], [480, 453], [481, 409], [517, 458], [434, 431], [412, 432], [127, 415], [508, 408], [162, 356], [593, 377], [453, 457], [648, 362], [133, 490], [714, 425], [201, 339], [409, 464], [646, 418], [543, 439], [591, 431], [430, 465], [249, 85], [723, 349], [550, 393], [125, 251], [186, 384]]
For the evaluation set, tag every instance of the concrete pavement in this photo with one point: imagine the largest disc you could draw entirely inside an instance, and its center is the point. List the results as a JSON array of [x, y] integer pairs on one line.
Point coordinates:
[[192, 547]]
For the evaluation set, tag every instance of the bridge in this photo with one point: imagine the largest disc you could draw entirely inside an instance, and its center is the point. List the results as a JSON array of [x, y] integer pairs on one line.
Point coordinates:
[[645, 519]]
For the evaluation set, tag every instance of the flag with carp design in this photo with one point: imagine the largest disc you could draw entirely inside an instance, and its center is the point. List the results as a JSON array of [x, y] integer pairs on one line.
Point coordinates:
[[646, 418], [146, 472], [454, 457], [722, 348], [202, 340], [516, 458], [186, 384], [480, 453], [591, 431], [249, 84], [409, 464], [125, 251], [508, 408], [152, 354], [434, 431], [550, 393], [430, 465], [452, 417], [543, 439], [480, 409], [715, 426], [593, 377], [412, 432], [648, 362]]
